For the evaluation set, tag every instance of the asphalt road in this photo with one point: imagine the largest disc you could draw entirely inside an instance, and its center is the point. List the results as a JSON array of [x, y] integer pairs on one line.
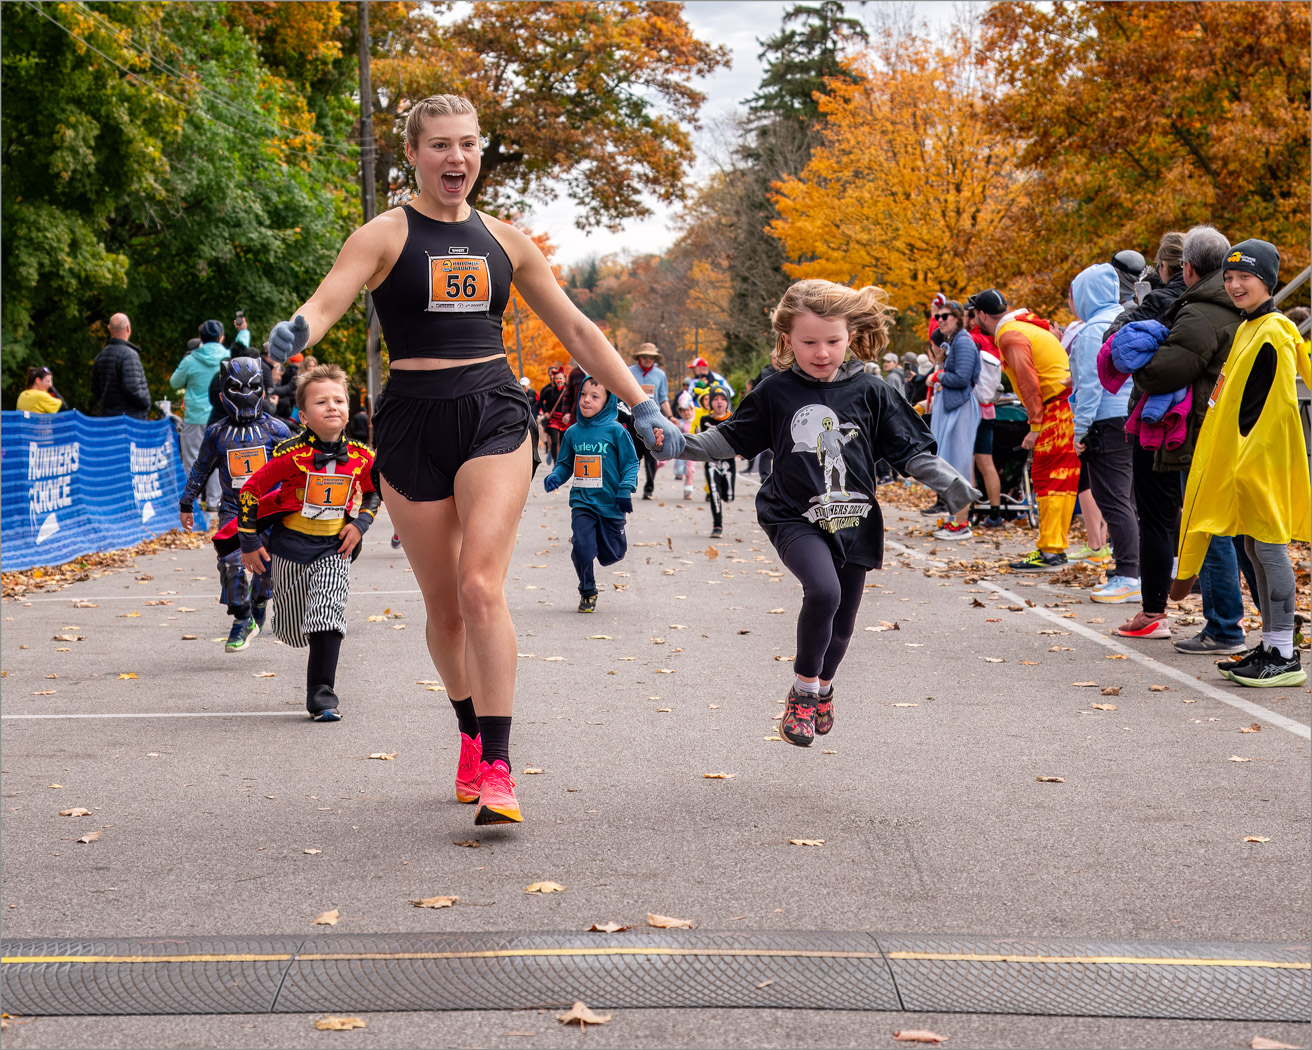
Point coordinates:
[[925, 794]]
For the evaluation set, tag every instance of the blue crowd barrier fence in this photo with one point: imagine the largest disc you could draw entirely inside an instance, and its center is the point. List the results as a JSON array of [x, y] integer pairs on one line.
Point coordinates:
[[72, 484]]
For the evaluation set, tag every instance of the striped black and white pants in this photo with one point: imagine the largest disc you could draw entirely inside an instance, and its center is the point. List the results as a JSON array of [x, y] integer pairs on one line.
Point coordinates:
[[309, 598]]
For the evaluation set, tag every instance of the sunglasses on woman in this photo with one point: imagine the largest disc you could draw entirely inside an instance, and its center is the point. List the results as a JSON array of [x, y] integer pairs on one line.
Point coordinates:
[[941, 317]]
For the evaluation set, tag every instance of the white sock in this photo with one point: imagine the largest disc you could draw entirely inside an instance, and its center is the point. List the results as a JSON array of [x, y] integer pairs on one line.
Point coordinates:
[[1268, 639], [813, 688], [1283, 643], [827, 690]]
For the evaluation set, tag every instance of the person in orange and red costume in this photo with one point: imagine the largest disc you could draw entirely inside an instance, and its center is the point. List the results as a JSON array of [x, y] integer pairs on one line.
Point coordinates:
[[307, 489], [1040, 374]]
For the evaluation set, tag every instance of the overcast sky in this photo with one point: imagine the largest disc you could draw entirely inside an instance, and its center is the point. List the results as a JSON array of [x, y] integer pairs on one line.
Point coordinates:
[[738, 24]]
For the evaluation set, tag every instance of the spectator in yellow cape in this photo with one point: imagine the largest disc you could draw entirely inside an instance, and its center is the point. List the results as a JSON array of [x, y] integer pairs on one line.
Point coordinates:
[[1249, 474]]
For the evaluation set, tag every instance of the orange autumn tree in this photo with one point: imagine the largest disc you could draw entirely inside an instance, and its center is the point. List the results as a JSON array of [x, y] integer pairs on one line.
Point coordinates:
[[1138, 118], [536, 342], [911, 183]]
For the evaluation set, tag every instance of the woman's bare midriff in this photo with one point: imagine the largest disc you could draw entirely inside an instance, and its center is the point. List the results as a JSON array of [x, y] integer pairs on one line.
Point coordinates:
[[418, 364]]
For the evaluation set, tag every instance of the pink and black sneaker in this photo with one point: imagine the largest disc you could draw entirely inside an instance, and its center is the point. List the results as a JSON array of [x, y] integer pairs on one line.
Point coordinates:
[[798, 724]]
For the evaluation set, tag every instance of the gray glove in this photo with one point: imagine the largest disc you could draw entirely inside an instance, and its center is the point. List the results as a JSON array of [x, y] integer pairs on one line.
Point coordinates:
[[938, 474], [288, 338], [647, 419]]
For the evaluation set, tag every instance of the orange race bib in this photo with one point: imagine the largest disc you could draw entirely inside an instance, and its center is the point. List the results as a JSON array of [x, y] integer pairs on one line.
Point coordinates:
[[649, 389], [1216, 390], [458, 283], [326, 495], [587, 472], [243, 462]]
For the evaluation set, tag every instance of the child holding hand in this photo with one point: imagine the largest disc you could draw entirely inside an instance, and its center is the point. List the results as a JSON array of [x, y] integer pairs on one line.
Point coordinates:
[[307, 486], [828, 424], [598, 454]]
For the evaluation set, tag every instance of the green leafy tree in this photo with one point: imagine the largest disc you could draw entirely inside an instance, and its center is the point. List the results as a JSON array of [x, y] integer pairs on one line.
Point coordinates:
[[154, 165]]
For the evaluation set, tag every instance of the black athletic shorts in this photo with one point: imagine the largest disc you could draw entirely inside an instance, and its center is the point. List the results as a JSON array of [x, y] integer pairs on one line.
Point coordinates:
[[984, 438], [430, 422]]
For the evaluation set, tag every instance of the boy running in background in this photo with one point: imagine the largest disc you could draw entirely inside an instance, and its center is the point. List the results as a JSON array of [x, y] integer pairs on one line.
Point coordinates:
[[236, 446], [308, 486], [720, 474], [598, 454]]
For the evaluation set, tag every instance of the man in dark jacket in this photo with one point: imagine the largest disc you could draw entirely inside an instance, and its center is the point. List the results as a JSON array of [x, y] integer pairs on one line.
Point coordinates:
[[118, 382], [1202, 322]]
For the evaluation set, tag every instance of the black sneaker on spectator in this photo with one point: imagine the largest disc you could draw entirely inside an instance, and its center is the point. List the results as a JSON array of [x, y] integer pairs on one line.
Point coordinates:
[[1203, 644], [1271, 670], [938, 510]]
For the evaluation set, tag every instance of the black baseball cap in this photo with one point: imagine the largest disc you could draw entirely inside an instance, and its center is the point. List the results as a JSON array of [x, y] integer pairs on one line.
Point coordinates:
[[990, 301]]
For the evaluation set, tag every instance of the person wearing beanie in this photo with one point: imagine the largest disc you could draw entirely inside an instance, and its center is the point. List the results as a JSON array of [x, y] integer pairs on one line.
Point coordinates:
[[193, 376], [1250, 475]]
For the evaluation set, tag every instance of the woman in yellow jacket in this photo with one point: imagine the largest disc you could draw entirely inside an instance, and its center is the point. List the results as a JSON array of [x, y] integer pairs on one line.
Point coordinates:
[[1249, 475], [40, 395]]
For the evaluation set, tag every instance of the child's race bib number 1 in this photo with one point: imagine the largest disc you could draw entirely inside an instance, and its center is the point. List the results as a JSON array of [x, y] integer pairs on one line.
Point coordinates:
[[326, 495], [587, 472], [243, 462], [458, 283]]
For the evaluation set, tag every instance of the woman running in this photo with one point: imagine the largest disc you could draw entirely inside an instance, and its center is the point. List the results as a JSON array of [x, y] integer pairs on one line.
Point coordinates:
[[453, 427]]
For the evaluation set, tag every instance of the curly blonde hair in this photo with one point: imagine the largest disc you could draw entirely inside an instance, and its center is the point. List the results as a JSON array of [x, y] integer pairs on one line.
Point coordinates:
[[866, 311]]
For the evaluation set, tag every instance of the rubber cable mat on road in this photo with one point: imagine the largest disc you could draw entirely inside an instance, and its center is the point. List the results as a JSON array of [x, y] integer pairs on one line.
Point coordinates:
[[650, 969]]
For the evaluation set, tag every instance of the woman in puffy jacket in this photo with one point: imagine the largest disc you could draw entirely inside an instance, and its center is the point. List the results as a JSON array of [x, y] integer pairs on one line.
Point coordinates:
[[956, 412]]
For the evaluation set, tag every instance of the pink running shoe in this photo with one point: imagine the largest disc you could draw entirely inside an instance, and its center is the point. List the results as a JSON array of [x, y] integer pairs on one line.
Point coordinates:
[[1145, 626], [468, 771], [497, 802]]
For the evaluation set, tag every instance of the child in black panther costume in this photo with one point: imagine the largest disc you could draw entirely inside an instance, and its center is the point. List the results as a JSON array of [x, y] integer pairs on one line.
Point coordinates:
[[236, 446]]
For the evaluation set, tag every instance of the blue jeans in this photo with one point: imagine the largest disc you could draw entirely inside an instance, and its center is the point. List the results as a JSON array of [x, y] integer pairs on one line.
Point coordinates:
[[1223, 603]]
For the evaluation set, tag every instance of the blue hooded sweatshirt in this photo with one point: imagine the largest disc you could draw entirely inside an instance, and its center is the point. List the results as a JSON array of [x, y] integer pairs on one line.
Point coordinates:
[[1096, 295], [599, 456]]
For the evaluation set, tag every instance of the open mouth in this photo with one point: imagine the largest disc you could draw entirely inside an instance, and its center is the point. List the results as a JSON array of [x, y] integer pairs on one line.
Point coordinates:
[[453, 182]]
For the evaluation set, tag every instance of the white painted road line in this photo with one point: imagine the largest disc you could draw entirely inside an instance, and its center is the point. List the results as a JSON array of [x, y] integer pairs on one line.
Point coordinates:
[[1248, 707], [165, 714]]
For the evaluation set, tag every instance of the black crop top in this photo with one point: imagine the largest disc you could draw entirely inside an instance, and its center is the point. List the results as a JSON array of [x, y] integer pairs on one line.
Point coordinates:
[[445, 295]]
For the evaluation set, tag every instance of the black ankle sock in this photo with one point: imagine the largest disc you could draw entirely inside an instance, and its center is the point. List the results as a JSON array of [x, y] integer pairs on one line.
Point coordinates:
[[466, 717], [496, 737], [994, 512]]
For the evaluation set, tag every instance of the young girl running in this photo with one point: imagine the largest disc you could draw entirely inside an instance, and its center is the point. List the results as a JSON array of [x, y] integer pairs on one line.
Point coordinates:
[[828, 423]]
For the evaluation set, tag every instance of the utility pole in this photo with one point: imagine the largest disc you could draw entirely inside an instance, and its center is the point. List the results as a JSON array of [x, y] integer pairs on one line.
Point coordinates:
[[373, 350]]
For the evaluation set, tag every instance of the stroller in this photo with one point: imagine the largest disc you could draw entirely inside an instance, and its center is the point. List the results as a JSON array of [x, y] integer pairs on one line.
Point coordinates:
[[1013, 462]]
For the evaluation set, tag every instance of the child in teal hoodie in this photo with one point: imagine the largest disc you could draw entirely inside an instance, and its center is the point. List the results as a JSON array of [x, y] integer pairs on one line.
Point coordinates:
[[598, 454]]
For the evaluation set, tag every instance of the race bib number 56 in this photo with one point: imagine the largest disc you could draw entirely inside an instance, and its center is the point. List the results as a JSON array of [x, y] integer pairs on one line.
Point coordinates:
[[326, 495], [458, 283]]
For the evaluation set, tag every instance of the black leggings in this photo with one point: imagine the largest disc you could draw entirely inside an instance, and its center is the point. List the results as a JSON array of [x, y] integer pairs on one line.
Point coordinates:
[[831, 596]]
